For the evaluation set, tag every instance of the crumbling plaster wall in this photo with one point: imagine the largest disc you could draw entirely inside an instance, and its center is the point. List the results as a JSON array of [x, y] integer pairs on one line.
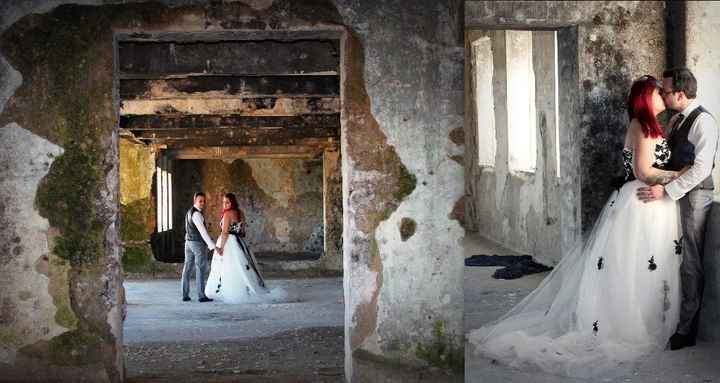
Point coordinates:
[[413, 72], [402, 101], [281, 198], [616, 43]]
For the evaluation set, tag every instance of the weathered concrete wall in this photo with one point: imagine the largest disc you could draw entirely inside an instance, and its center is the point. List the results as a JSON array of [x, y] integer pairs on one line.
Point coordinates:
[[517, 208], [400, 172], [332, 210], [281, 198], [703, 58], [403, 291], [593, 118], [64, 105]]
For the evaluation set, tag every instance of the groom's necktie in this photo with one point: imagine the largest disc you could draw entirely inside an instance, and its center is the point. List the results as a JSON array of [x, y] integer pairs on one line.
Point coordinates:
[[676, 124]]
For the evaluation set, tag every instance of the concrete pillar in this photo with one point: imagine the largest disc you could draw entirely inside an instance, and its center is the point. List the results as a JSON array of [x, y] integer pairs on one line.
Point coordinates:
[[332, 211]]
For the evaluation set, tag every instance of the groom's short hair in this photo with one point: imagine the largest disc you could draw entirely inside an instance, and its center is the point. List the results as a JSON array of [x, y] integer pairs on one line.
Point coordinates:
[[682, 80], [198, 194]]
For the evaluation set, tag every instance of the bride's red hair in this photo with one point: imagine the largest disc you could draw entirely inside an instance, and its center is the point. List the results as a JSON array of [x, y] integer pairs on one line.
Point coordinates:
[[233, 204], [640, 105]]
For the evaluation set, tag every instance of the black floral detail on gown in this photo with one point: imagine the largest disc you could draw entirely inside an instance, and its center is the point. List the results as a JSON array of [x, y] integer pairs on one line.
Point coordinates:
[[652, 265], [678, 246], [238, 230], [662, 157]]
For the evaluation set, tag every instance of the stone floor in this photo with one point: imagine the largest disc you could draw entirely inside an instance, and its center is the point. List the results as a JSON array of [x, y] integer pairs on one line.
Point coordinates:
[[299, 340], [487, 299]]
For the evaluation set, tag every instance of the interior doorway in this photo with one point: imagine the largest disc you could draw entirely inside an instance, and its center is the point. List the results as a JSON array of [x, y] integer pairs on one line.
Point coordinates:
[[257, 115]]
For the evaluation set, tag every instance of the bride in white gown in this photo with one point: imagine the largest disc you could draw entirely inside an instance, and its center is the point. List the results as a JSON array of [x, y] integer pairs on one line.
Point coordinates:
[[617, 297], [234, 273]]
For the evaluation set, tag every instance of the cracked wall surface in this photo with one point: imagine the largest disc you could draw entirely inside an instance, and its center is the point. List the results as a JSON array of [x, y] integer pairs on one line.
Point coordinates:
[[415, 112], [399, 161], [29, 311]]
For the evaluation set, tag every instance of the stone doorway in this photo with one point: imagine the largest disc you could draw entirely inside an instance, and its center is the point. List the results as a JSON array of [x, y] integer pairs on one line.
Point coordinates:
[[258, 115]]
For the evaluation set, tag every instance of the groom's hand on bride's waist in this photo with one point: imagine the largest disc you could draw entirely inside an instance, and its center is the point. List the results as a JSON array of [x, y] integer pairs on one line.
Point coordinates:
[[651, 193]]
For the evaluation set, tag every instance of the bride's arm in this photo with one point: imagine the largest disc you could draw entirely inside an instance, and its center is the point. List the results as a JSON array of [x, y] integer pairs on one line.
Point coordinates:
[[225, 231], [643, 158]]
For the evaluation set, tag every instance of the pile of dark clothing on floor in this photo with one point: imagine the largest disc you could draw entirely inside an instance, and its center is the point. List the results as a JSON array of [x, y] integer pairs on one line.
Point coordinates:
[[515, 266]]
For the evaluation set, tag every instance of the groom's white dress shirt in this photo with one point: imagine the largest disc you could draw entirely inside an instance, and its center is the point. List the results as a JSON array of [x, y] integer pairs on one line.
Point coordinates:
[[704, 135], [199, 222]]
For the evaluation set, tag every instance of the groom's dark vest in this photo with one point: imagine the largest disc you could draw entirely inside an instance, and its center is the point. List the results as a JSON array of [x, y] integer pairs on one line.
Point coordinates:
[[682, 150], [191, 231]]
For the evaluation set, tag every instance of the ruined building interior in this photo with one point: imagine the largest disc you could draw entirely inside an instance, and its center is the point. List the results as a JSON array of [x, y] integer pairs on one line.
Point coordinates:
[[372, 146]]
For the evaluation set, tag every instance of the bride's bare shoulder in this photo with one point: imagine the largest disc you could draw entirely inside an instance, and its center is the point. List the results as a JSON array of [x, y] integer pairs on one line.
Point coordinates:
[[631, 134], [230, 215], [634, 125]]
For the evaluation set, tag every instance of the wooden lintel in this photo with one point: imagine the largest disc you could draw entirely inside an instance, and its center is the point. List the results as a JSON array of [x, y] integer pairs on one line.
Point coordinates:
[[272, 86], [197, 142], [211, 36], [229, 57], [233, 152], [256, 106], [198, 122]]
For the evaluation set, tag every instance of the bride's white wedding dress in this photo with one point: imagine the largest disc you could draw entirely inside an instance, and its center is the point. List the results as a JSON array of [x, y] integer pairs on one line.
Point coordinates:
[[605, 304], [235, 276]]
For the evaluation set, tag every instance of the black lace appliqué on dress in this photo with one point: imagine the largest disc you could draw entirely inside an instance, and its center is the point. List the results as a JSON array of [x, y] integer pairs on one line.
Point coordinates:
[[678, 246], [662, 157], [652, 265]]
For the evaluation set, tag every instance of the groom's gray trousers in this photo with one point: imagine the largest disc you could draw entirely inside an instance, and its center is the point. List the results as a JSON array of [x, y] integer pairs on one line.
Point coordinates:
[[694, 209], [195, 254]]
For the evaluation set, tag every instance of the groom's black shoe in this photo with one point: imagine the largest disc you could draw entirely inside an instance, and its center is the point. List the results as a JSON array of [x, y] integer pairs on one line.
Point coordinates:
[[679, 341], [205, 299], [186, 299]]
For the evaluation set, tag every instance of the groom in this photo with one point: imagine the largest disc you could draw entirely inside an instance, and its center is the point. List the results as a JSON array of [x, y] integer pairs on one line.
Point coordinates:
[[693, 141], [197, 243]]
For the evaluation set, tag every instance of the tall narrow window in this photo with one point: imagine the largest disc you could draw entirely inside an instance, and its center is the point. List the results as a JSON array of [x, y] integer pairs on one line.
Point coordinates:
[[170, 201], [521, 101], [159, 206], [163, 186], [557, 108], [482, 65]]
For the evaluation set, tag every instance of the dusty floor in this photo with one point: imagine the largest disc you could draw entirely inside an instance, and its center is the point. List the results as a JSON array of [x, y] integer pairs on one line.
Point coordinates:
[[299, 340], [486, 299]]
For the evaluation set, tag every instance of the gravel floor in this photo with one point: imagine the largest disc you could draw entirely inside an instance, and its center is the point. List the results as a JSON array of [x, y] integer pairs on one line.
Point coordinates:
[[297, 340]]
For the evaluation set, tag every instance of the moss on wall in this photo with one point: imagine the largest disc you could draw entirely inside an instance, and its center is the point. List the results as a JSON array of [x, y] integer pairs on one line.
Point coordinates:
[[406, 183], [66, 198], [407, 228], [137, 259], [441, 351], [137, 167], [58, 288], [75, 348], [137, 220], [66, 97], [137, 208]]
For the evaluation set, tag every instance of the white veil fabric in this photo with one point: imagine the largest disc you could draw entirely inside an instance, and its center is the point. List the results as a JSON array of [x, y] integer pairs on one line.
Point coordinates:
[[607, 303]]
